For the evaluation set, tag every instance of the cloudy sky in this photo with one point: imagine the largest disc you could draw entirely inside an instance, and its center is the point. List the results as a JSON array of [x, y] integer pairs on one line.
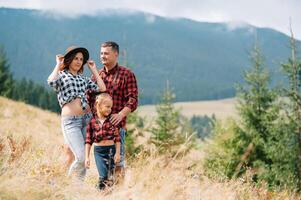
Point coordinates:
[[274, 14]]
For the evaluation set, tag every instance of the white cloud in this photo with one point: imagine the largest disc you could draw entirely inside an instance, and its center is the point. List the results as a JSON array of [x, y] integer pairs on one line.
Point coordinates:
[[150, 18], [269, 13], [236, 24]]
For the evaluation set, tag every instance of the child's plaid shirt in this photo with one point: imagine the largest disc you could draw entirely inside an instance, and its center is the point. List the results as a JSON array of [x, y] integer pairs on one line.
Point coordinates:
[[97, 132]]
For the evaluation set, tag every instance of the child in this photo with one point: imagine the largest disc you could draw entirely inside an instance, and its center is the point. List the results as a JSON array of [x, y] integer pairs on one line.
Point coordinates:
[[106, 139]]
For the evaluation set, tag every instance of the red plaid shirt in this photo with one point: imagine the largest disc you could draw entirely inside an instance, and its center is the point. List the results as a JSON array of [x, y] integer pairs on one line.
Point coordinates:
[[97, 132], [121, 84]]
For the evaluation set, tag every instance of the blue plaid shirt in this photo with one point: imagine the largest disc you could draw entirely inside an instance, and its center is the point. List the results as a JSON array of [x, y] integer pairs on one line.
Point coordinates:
[[70, 87]]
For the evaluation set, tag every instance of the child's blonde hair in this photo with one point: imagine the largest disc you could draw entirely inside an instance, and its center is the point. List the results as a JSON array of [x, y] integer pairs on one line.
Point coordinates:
[[100, 99]]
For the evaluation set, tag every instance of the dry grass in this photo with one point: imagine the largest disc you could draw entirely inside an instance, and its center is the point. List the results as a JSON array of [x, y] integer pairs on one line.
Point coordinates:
[[221, 108], [31, 167]]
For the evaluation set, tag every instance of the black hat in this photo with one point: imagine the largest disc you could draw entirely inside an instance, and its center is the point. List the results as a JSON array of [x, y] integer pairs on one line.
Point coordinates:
[[75, 49]]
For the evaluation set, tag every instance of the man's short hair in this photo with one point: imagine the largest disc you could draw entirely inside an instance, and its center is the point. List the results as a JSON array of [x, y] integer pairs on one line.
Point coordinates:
[[113, 45]]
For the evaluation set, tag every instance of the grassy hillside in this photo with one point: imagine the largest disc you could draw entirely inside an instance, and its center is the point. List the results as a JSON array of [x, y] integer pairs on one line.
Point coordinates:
[[31, 163]]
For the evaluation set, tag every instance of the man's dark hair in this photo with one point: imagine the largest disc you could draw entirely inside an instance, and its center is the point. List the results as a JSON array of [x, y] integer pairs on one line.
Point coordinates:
[[113, 45]]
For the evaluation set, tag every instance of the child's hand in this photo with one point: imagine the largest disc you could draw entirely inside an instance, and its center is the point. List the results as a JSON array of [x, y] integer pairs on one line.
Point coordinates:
[[117, 157], [87, 163]]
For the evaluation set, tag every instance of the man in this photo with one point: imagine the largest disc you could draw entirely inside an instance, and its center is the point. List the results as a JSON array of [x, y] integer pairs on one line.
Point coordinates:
[[121, 84]]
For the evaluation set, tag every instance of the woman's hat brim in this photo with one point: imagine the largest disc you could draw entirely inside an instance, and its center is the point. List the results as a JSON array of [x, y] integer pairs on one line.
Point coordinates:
[[75, 49]]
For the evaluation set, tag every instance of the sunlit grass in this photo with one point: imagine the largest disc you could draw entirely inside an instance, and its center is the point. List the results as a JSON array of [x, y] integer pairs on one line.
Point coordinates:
[[32, 167]]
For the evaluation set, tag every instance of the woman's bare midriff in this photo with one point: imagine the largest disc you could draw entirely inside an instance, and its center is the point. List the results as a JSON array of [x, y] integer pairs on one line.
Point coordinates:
[[105, 143], [74, 108]]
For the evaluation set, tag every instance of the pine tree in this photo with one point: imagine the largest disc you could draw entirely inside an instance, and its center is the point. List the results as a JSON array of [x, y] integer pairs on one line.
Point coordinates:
[[166, 132], [135, 125], [258, 111], [203, 125], [20, 90], [30, 95], [42, 97], [245, 147], [53, 103], [6, 78], [281, 149], [292, 70]]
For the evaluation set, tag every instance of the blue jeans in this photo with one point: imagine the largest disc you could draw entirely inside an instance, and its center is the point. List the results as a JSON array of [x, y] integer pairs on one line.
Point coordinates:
[[104, 159], [122, 133], [74, 131]]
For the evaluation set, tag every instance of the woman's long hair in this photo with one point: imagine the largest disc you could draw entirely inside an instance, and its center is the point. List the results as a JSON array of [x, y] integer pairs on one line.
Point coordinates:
[[69, 60]]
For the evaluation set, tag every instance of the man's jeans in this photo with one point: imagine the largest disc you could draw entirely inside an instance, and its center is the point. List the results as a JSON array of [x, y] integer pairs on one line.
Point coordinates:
[[122, 133], [74, 131]]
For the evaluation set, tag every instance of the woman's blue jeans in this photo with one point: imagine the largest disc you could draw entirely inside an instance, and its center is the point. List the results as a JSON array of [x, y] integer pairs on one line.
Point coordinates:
[[74, 131]]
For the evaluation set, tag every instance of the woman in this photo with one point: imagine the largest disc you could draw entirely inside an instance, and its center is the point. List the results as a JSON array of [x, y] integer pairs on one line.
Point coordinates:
[[71, 87]]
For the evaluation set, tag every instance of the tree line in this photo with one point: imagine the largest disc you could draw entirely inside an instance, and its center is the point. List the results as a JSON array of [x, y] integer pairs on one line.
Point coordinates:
[[25, 90]]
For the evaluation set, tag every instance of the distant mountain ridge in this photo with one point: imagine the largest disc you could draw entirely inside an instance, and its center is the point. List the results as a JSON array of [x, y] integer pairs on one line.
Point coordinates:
[[200, 60]]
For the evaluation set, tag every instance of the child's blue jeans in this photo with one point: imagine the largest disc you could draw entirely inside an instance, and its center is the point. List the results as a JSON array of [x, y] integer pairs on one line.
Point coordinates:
[[104, 159]]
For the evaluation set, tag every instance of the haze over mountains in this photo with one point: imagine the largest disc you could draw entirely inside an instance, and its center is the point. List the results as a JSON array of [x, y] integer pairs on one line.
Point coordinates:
[[200, 60]]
